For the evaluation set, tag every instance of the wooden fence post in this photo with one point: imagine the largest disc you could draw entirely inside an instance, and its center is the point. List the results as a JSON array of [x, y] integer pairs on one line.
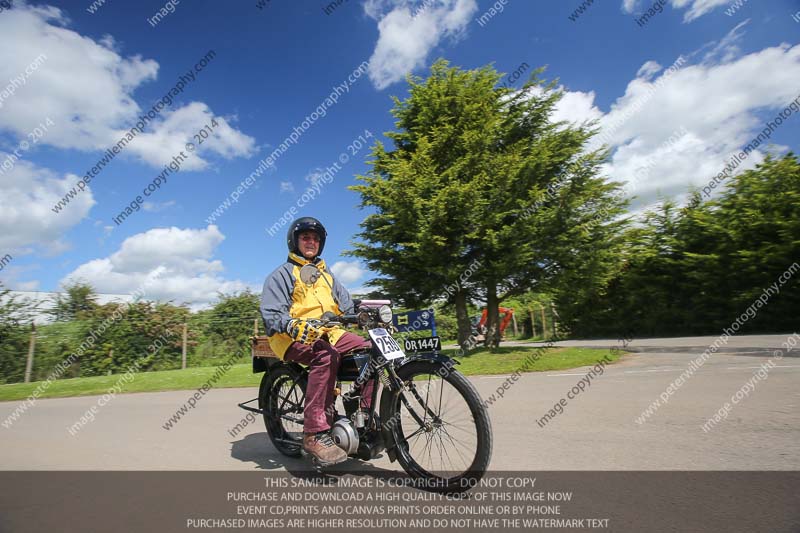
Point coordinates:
[[31, 348], [533, 322], [183, 351], [544, 325]]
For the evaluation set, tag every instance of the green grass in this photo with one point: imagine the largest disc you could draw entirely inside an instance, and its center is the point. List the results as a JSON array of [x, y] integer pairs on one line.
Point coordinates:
[[508, 359], [479, 362]]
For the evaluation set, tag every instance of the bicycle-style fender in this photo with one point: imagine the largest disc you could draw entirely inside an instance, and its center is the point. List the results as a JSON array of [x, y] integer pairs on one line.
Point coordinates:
[[429, 356], [386, 399]]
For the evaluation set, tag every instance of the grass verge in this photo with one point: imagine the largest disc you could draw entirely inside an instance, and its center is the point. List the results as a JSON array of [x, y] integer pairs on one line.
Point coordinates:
[[479, 362]]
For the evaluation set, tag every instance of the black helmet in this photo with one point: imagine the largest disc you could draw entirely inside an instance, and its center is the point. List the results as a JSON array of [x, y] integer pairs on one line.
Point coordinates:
[[305, 224]]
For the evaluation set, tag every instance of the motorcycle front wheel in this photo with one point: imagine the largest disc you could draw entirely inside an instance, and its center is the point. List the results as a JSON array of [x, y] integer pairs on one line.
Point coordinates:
[[440, 427]]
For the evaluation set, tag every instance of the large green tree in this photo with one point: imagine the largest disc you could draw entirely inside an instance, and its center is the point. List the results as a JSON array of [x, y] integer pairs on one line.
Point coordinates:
[[482, 194]]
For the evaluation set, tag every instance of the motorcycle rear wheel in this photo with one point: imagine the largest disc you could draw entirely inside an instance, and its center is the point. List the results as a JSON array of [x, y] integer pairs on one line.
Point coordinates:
[[283, 400]]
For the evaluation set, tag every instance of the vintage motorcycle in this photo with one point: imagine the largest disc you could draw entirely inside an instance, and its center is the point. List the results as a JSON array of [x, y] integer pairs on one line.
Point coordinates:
[[424, 414]]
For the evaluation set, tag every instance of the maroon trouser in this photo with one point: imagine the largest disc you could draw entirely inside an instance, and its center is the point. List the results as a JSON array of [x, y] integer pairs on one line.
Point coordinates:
[[323, 360]]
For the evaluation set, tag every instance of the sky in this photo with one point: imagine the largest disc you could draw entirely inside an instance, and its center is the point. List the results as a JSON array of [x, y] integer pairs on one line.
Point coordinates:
[[281, 100]]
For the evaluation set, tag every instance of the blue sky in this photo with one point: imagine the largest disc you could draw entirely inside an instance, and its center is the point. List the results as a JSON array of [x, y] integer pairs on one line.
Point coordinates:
[[274, 66]]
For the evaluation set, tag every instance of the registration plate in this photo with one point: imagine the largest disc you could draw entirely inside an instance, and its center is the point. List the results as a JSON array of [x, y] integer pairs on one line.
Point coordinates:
[[424, 344], [386, 344]]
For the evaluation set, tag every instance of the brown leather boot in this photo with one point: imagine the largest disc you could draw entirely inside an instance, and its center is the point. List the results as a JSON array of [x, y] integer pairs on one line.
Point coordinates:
[[323, 449]]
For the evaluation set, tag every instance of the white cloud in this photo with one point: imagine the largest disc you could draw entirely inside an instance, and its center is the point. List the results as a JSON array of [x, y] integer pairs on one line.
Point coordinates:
[[155, 207], [407, 35], [576, 106], [286, 186], [721, 103], [347, 272], [314, 177], [26, 218], [696, 8], [185, 256], [86, 88], [169, 136]]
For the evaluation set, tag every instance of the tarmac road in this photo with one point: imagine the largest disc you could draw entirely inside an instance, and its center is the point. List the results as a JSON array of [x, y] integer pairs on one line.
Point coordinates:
[[596, 431]]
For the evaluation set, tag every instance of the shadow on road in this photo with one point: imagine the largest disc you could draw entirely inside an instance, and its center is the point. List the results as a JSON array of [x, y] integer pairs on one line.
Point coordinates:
[[256, 448]]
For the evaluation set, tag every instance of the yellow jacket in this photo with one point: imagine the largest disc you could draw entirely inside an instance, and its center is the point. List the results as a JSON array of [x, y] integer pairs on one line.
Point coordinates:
[[285, 297]]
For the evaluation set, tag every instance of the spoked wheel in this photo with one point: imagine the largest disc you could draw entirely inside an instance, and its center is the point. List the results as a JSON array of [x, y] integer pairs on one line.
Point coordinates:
[[441, 429], [283, 401]]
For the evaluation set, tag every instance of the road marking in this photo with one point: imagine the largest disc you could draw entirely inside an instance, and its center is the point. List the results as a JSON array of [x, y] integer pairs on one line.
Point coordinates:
[[775, 366], [644, 371]]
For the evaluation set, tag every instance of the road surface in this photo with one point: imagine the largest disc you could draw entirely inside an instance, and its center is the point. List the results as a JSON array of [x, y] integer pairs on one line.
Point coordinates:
[[598, 429]]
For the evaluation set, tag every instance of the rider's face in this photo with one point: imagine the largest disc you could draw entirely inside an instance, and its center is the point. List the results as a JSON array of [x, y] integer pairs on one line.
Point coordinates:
[[309, 244]]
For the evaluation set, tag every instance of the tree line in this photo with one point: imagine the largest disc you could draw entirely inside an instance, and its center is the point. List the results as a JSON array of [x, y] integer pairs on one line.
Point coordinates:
[[109, 338]]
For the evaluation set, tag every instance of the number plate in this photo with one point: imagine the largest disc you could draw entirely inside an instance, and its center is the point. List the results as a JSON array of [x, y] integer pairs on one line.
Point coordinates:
[[386, 344], [420, 345]]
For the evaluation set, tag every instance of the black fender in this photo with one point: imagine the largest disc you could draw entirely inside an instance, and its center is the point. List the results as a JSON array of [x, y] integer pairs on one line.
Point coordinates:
[[429, 356], [387, 397]]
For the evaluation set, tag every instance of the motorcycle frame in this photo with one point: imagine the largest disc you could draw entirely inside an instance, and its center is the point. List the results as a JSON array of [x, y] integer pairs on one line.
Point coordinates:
[[262, 364]]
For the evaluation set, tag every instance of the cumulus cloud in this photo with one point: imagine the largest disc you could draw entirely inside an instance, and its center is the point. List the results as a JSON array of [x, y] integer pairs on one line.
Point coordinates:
[[26, 220], [168, 137], [711, 109], [696, 8], [86, 88], [409, 31], [347, 272], [183, 259]]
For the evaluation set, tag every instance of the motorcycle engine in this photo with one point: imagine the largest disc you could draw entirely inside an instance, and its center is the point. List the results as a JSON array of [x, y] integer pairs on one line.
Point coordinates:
[[344, 436]]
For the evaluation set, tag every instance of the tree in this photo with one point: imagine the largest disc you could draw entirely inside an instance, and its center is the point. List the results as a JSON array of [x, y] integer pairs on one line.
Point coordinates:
[[480, 175], [15, 327], [80, 300], [227, 326]]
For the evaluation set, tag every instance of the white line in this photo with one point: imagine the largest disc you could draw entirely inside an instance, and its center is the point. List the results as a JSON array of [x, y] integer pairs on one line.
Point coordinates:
[[644, 371], [748, 367]]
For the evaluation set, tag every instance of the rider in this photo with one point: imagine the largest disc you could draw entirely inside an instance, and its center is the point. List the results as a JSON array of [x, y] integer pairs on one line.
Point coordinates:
[[286, 303]]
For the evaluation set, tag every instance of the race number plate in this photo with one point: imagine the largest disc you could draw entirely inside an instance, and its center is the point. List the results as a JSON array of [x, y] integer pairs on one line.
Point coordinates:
[[425, 344], [386, 344]]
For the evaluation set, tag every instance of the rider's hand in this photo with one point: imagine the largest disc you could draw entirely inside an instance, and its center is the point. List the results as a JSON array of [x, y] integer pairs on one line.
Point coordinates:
[[303, 332]]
